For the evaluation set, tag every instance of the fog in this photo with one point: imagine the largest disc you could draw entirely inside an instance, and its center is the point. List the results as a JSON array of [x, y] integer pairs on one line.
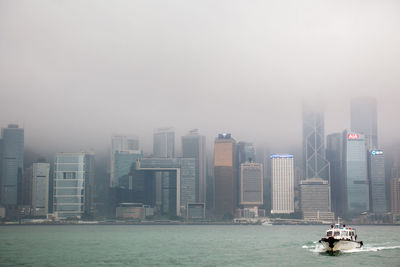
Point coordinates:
[[75, 72]]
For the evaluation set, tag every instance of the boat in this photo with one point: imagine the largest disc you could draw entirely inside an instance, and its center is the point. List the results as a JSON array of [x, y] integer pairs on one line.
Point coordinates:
[[340, 238], [266, 223]]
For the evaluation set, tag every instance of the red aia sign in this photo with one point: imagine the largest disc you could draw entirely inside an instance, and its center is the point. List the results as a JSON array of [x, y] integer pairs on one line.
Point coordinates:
[[353, 136]]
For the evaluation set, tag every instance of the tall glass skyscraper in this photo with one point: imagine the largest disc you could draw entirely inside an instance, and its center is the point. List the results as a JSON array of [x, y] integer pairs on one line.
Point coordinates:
[[12, 163], [376, 173], [40, 188], [74, 184], [194, 146], [364, 120], [355, 174], [315, 164]]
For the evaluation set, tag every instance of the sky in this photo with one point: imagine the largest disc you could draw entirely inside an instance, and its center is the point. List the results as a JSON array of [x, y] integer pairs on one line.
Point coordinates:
[[75, 72]]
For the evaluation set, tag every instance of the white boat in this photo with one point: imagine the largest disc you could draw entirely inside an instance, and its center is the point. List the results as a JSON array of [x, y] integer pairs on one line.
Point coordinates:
[[266, 223], [340, 238]]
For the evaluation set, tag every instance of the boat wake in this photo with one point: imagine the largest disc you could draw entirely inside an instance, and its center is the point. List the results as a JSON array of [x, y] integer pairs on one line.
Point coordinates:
[[318, 248]]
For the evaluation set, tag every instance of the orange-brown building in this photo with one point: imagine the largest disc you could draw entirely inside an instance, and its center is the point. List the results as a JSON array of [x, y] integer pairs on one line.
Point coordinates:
[[225, 175]]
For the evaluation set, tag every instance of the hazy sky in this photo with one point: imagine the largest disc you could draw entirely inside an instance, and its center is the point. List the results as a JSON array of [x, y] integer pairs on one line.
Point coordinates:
[[75, 72]]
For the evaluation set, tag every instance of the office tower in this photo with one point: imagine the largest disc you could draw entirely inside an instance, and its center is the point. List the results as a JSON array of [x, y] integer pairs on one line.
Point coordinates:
[[194, 146], [12, 164], [25, 194], [355, 174], [225, 175], [282, 184], [245, 152], [395, 195], [251, 184], [376, 175], [315, 200], [164, 147], [74, 184], [363, 120], [334, 154], [122, 144], [40, 188], [315, 164]]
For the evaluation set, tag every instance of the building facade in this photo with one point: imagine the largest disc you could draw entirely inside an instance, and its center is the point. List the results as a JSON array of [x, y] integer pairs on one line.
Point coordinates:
[[315, 199], [194, 146], [251, 184], [225, 175], [355, 174], [282, 184], [376, 175], [315, 163], [12, 161], [40, 188], [73, 185], [395, 195], [364, 120]]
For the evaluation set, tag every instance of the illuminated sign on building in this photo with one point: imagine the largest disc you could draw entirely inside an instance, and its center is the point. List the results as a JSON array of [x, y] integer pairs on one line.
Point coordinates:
[[376, 152], [281, 156], [353, 136]]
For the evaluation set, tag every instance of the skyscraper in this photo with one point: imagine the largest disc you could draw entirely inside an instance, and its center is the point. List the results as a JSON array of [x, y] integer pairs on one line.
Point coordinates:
[[245, 152], [282, 184], [251, 184], [364, 120], [12, 164], [395, 195], [225, 175], [355, 174], [74, 184], [315, 164], [164, 147], [334, 154], [194, 146], [376, 175], [40, 188], [315, 199], [121, 144]]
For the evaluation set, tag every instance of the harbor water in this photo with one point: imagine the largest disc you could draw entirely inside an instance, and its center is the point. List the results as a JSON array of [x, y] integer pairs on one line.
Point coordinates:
[[189, 245]]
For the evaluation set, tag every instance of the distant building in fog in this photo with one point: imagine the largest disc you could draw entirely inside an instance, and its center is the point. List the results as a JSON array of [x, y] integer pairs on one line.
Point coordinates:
[[40, 188], [364, 120], [355, 174], [251, 184], [12, 163], [225, 175], [122, 146], [282, 183], [376, 175], [245, 152], [194, 146], [74, 184], [315, 164], [395, 195]]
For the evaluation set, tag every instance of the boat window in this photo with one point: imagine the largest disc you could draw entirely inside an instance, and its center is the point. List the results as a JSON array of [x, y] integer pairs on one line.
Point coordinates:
[[337, 233], [329, 233]]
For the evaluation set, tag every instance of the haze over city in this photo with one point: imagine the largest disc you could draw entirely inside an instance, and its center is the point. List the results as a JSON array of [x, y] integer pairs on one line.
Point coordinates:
[[75, 73]]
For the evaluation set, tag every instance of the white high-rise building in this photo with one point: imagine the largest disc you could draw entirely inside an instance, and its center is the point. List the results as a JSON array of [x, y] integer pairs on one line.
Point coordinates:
[[40, 188], [282, 184]]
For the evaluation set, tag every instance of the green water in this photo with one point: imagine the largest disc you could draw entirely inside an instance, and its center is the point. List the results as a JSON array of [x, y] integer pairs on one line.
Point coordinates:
[[98, 245]]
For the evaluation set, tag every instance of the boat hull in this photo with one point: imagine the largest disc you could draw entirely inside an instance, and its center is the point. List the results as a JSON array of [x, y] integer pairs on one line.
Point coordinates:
[[336, 245]]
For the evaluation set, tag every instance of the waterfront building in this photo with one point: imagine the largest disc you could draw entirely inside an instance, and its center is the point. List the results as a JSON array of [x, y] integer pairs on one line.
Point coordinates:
[[251, 184], [334, 154], [122, 144], [225, 175], [282, 184], [395, 195], [315, 163], [355, 174], [376, 175], [73, 184], [40, 188], [364, 120], [181, 173], [194, 146], [315, 199], [12, 162]]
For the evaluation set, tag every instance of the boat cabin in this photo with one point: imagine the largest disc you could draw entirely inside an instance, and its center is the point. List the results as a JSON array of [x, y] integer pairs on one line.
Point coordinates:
[[340, 231]]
